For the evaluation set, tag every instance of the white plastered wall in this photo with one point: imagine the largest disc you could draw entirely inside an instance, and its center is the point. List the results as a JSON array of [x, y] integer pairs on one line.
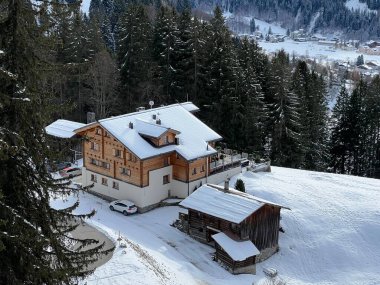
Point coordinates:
[[142, 197]]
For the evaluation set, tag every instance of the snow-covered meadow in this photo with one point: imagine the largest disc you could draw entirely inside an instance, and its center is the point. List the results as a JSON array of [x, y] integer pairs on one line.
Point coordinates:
[[331, 235]]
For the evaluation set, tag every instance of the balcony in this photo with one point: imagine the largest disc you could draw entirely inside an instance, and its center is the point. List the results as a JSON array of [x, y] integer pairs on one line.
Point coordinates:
[[224, 161]]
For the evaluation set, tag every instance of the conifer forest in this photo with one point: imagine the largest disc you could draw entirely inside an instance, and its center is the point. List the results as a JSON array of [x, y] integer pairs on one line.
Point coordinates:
[[121, 56], [57, 62]]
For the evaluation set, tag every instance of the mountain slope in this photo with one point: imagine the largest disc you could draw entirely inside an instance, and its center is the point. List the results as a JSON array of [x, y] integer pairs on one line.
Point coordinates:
[[352, 18]]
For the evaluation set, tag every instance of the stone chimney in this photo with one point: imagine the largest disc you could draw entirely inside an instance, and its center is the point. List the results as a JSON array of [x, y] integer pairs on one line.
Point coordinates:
[[90, 117], [226, 185]]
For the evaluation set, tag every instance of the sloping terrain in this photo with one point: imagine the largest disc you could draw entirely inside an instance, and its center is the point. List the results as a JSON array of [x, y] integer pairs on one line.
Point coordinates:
[[331, 235]]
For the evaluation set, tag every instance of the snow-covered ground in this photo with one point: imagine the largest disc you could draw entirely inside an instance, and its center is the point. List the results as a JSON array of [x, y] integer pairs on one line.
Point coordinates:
[[315, 50], [331, 235]]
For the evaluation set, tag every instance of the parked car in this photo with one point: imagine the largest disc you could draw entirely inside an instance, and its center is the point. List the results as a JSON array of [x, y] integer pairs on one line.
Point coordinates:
[[123, 206], [70, 172], [58, 166]]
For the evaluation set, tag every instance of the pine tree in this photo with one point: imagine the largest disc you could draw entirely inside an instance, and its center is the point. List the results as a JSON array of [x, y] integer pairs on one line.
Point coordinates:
[[239, 185], [166, 42], [252, 26], [340, 133], [310, 90], [221, 77], [284, 125], [34, 238], [183, 56], [250, 136], [372, 117], [135, 57]]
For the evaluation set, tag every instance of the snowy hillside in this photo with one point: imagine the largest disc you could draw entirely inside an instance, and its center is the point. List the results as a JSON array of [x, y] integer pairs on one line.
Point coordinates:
[[356, 5], [331, 235]]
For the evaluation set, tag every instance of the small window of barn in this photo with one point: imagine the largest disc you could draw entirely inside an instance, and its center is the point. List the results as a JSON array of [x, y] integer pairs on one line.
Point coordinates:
[[94, 178], [115, 185], [98, 131], [104, 181]]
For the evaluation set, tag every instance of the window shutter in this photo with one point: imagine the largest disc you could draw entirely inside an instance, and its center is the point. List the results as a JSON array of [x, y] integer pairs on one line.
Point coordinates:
[[114, 152]]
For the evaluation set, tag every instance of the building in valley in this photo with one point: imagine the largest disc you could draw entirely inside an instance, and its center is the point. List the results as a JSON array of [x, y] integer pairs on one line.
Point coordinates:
[[243, 228], [150, 155]]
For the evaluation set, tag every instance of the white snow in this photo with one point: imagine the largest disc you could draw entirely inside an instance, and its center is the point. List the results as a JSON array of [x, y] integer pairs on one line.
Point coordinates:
[[85, 6], [237, 250], [63, 128], [331, 235], [193, 133], [356, 5]]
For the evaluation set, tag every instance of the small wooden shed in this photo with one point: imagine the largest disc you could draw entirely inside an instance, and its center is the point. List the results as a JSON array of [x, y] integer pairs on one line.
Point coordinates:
[[237, 255], [213, 209]]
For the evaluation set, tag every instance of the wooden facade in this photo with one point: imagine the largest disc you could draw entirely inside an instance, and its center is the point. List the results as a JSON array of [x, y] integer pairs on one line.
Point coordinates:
[[105, 155], [261, 227]]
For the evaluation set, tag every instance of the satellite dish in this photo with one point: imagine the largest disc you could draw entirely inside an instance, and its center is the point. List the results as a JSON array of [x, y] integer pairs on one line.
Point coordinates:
[[151, 103]]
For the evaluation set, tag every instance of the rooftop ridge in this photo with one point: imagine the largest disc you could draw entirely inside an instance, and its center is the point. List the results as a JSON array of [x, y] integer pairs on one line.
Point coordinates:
[[143, 112]]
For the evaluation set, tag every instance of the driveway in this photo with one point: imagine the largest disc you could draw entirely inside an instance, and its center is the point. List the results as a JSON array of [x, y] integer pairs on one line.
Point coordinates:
[[84, 231]]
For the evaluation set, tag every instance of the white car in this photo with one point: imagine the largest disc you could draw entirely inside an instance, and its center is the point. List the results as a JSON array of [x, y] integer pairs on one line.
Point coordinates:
[[123, 206]]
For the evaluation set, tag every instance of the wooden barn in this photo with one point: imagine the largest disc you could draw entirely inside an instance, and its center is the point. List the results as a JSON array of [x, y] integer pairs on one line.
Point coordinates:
[[213, 209]]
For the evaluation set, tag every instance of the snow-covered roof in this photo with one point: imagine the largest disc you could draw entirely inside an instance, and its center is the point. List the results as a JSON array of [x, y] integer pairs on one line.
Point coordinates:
[[233, 206], [149, 129], [190, 107], [238, 250], [63, 128], [193, 134]]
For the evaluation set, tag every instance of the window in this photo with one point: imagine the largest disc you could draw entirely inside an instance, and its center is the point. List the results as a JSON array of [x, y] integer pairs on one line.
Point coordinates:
[[100, 163], [104, 181], [105, 165], [125, 171], [94, 178], [117, 153], [98, 131], [202, 168], [94, 146], [115, 185], [165, 140], [165, 179], [194, 171], [107, 135], [166, 161]]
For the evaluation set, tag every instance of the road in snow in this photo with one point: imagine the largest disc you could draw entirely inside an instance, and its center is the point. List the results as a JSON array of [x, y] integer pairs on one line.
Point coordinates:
[[331, 235]]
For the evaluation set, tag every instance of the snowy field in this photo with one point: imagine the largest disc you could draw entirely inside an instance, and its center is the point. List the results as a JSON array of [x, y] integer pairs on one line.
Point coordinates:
[[316, 51], [331, 235]]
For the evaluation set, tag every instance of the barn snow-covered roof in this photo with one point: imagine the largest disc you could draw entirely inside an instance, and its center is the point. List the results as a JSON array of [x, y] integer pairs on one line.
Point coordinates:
[[233, 206], [238, 250]]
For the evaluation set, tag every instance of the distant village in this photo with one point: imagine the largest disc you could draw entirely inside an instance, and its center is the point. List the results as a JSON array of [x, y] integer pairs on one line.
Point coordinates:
[[358, 67]]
